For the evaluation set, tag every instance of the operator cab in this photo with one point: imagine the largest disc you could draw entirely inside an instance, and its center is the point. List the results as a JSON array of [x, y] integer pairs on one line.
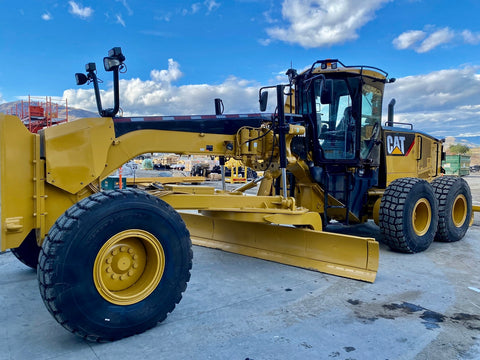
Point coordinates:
[[343, 106]]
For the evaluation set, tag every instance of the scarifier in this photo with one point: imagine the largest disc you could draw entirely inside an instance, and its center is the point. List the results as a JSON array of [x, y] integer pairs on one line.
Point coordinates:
[[113, 263]]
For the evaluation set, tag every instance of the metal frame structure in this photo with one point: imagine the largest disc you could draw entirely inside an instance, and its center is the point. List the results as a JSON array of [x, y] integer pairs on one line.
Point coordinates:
[[38, 113]]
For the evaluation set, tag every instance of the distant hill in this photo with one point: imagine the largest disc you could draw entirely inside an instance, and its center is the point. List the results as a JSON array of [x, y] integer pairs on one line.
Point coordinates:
[[73, 113], [474, 152], [471, 142]]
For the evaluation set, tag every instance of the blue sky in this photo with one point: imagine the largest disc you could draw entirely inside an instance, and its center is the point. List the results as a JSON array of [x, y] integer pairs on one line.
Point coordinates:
[[182, 54]]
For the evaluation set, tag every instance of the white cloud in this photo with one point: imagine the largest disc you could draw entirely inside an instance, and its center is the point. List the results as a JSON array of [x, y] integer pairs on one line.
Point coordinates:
[[438, 90], [47, 16], [164, 17], [471, 38], [439, 37], [442, 103], [268, 16], [83, 12], [317, 23], [264, 42], [408, 39], [423, 41], [211, 5], [120, 20], [167, 76], [195, 8], [160, 96], [125, 4]]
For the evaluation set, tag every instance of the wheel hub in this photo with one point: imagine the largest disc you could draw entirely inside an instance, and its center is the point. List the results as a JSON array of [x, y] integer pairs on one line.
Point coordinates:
[[128, 267], [421, 216], [459, 210]]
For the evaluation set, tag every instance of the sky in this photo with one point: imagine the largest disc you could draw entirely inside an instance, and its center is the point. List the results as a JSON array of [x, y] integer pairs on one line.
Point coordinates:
[[180, 55]]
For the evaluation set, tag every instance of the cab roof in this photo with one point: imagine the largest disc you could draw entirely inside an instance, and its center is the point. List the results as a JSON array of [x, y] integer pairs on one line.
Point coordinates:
[[330, 66]]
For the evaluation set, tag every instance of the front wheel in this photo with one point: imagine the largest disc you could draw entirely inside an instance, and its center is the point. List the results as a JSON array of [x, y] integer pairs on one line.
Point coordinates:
[[408, 215], [114, 264]]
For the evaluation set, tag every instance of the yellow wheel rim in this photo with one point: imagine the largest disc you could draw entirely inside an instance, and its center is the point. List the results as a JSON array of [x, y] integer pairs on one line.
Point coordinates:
[[129, 267], [421, 217], [459, 210]]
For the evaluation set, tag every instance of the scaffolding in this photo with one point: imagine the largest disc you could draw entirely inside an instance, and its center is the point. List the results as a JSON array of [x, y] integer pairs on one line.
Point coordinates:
[[38, 112]]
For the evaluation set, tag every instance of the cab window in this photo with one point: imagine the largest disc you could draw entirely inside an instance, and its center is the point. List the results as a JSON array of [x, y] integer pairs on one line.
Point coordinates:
[[371, 118], [335, 124]]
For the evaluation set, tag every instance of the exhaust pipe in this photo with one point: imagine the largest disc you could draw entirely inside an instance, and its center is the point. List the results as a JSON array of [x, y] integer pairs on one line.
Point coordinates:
[[391, 112]]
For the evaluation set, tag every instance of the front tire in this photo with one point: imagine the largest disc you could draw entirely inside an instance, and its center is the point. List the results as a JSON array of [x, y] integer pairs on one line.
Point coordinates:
[[408, 215], [115, 264], [454, 208]]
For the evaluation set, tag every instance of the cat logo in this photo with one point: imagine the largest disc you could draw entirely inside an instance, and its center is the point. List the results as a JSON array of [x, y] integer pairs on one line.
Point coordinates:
[[399, 144]]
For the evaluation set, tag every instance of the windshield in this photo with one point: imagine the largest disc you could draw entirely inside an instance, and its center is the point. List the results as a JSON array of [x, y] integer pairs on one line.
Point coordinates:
[[339, 134], [335, 122]]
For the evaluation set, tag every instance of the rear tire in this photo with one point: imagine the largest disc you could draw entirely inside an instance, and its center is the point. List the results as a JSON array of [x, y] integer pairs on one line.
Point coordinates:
[[408, 215], [454, 207], [28, 251], [115, 264]]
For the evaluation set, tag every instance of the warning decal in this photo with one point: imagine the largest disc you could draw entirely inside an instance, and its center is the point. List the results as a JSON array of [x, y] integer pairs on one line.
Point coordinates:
[[399, 144]]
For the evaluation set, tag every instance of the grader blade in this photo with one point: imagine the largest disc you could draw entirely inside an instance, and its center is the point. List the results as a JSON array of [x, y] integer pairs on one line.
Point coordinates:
[[336, 254]]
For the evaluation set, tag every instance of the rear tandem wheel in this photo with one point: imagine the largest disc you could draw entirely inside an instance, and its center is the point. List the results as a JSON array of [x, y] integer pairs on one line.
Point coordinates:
[[408, 215], [454, 207], [115, 264]]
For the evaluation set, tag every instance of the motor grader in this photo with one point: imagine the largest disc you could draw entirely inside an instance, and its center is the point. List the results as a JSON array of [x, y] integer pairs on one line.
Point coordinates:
[[114, 263]]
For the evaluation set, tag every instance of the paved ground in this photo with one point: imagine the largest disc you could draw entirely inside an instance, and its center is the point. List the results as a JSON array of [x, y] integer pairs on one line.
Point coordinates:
[[422, 306]]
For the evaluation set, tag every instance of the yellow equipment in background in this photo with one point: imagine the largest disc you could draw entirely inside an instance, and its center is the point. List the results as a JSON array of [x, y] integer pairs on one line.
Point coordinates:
[[236, 176], [114, 263]]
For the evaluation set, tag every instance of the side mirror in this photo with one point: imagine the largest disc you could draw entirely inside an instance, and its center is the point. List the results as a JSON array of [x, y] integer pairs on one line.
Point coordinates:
[[263, 101], [327, 91], [81, 79]]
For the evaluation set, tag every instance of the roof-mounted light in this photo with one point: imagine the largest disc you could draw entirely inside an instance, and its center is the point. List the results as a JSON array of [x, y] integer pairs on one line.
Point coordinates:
[[328, 64], [109, 63], [114, 60]]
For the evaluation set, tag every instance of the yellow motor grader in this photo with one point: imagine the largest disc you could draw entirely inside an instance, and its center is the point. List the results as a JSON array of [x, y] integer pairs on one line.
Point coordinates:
[[114, 263]]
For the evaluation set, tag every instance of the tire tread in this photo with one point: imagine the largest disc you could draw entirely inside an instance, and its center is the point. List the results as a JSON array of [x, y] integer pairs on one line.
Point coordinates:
[[55, 240]]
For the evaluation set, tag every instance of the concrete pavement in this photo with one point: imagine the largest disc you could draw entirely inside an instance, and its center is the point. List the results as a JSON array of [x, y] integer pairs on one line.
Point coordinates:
[[422, 306]]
